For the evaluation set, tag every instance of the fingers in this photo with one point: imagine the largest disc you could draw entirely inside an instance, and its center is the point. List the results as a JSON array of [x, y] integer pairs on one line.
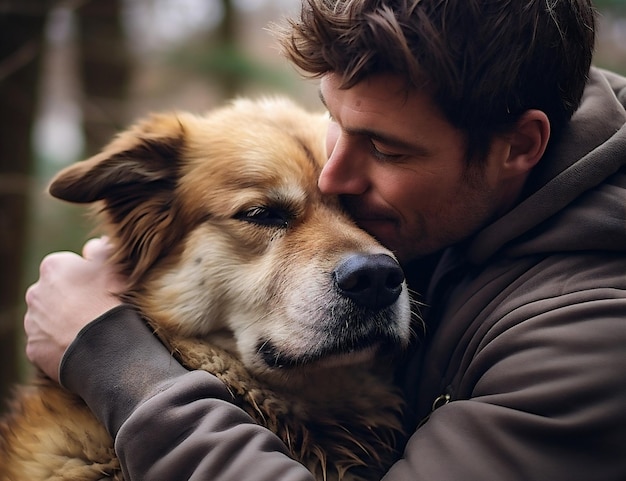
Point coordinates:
[[71, 291], [42, 350]]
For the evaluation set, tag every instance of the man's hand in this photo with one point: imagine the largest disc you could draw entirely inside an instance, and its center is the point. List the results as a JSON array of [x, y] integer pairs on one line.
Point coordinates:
[[71, 291]]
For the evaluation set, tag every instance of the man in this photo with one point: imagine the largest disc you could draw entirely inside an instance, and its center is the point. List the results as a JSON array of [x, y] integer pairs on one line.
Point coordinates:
[[452, 142]]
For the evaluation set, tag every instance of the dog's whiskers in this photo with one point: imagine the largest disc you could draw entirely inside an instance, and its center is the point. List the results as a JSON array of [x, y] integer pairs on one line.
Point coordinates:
[[415, 306]]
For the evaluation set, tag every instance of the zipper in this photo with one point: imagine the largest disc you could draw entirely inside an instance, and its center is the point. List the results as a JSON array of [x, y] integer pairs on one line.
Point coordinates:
[[439, 401]]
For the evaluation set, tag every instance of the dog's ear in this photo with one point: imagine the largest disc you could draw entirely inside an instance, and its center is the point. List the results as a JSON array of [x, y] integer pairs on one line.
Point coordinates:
[[145, 154], [133, 180]]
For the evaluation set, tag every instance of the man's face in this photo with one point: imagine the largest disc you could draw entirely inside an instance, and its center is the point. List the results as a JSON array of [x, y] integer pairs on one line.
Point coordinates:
[[401, 170]]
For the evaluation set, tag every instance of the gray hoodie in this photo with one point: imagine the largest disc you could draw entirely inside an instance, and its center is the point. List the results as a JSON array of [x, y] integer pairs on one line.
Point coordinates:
[[520, 375]]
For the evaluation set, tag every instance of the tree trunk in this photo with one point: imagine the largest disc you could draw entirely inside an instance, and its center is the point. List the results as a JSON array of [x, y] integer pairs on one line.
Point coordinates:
[[227, 38], [105, 70], [21, 36]]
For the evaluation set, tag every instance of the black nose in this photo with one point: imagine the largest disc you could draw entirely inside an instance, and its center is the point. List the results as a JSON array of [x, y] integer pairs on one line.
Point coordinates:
[[370, 280]]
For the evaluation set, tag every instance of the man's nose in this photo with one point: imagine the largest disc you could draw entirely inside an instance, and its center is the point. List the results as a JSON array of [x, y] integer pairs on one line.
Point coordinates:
[[343, 173]]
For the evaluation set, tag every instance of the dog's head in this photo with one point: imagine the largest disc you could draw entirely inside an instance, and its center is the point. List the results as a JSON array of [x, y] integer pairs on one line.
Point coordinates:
[[218, 222]]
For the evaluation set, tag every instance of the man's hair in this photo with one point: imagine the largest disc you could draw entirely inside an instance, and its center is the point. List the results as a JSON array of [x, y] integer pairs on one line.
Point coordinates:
[[485, 61]]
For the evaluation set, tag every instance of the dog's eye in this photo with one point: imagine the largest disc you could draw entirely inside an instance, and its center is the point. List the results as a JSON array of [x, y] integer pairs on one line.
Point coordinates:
[[266, 216]]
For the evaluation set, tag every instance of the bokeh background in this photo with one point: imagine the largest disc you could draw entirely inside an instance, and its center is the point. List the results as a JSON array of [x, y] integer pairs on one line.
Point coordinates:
[[74, 72]]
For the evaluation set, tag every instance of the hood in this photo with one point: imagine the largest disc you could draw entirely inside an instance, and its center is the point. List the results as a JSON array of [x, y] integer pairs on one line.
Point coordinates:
[[578, 190]]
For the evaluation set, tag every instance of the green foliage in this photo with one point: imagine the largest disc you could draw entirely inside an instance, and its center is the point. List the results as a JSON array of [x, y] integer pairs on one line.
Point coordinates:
[[604, 4], [229, 65]]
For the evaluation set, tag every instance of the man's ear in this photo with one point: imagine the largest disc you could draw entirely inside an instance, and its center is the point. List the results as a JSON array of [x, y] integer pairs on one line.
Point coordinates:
[[528, 140]]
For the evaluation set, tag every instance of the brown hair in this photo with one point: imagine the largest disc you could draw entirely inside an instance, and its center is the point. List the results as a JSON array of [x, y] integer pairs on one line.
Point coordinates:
[[486, 61]]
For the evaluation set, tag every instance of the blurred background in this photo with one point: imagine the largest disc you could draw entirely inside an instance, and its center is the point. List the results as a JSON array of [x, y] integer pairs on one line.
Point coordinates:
[[74, 72]]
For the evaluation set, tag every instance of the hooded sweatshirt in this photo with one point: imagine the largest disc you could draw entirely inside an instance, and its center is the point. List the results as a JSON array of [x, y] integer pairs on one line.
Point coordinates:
[[520, 373]]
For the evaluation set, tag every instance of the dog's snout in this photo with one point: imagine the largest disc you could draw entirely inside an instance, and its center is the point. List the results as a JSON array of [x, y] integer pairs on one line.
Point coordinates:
[[370, 280]]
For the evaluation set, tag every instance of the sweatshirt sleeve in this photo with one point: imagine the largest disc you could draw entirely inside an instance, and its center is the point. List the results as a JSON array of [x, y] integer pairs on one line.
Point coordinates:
[[168, 423], [533, 413]]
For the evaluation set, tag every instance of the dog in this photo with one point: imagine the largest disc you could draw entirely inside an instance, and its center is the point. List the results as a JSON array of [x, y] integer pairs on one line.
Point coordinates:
[[242, 268]]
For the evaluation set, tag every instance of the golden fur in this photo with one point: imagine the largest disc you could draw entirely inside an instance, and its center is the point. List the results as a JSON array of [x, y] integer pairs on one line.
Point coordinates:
[[230, 250]]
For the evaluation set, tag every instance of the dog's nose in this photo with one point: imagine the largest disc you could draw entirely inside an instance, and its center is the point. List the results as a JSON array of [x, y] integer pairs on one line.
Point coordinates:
[[370, 280]]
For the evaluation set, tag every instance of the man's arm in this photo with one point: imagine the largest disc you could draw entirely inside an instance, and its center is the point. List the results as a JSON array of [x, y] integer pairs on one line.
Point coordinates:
[[533, 418], [168, 423]]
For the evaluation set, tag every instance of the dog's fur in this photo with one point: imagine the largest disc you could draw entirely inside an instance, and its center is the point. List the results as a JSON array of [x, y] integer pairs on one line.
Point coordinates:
[[232, 257]]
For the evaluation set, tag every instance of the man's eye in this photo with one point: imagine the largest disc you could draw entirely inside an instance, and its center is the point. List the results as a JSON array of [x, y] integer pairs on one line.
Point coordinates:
[[266, 216], [383, 154]]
